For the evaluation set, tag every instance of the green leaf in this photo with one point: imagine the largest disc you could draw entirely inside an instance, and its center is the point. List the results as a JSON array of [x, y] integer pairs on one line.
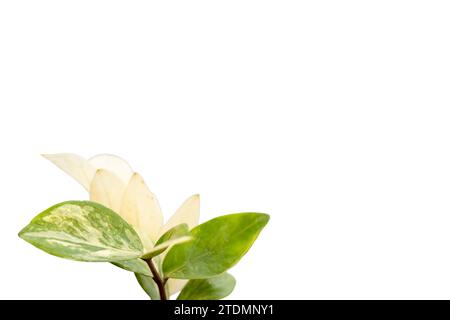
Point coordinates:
[[178, 231], [214, 288], [135, 265], [148, 285], [173, 236], [83, 231], [163, 247], [217, 246]]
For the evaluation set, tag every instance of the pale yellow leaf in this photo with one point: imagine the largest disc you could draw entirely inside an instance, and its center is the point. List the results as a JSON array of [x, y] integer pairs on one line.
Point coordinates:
[[175, 285], [75, 166], [113, 164], [107, 190], [188, 213], [141, 209]]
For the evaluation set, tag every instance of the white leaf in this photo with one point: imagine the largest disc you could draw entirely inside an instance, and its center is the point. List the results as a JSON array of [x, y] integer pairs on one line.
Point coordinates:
[[75, 166], [114, 164]]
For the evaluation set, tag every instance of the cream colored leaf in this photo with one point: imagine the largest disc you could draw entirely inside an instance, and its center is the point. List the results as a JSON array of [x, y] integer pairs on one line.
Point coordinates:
[[141, 209], [175, 285], [188, 213], [108, 190], [75, 166], [114, 164]]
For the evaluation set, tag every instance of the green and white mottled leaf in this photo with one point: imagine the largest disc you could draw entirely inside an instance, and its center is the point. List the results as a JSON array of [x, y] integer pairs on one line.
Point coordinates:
[[214, 288], [135, 265], [83, 231], [218, 245], [148, 285]]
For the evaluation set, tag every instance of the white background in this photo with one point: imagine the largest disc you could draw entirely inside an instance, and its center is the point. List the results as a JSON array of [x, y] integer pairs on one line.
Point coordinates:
[[332, 116]]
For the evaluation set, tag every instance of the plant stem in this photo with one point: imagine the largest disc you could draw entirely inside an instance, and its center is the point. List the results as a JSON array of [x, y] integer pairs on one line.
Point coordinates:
[[158, 280]]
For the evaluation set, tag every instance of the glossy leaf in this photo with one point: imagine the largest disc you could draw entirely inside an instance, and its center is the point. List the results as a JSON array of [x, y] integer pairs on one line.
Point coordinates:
[[83, 231], [217, 246], [174, 285], [178, 231], [189, 213], [176, 235], [134, 265], [148, 285], [214, 288], [157, 250]]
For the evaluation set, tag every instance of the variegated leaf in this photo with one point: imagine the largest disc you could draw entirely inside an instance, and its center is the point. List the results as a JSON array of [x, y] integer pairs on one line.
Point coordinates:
[[83, 231], [135, 265], [148, 285]]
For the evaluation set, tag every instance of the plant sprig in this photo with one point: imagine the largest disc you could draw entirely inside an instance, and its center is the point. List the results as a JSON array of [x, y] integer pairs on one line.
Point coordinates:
[[123, 224], [88, 231]]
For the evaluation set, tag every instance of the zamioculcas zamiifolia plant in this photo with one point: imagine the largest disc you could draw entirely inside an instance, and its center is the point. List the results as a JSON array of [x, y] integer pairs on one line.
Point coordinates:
[[122, 224]]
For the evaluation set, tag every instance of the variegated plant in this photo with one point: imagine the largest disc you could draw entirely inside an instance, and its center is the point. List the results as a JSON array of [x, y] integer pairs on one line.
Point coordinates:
[[122, 223]]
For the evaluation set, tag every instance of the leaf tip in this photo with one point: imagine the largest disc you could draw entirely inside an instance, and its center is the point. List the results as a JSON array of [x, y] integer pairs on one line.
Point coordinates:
[[262, 217], [266, 217], [21, 233], [47, 156]]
